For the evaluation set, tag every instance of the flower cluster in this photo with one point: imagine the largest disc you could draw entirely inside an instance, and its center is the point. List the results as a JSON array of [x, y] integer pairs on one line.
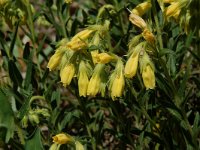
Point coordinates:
[[87, 57]]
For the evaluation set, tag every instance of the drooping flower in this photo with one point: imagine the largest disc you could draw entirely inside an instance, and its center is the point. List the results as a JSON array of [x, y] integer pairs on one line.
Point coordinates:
[[67, 73], [117, 81], [95, 81], [55, 60], [83, 79], [131, 66], [148, 77], [132, 63], [147, 70]]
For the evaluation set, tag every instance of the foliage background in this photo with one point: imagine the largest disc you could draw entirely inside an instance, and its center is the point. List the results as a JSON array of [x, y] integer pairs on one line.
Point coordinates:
[[164, 118]]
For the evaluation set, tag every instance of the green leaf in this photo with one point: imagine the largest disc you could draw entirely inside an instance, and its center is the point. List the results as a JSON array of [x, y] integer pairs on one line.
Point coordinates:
[[35, 142], [183, 85], [14, 73], [165, 51], [13, 39], [28, 78], [6, 116], [196, 125], [175, 113], [26, 52]]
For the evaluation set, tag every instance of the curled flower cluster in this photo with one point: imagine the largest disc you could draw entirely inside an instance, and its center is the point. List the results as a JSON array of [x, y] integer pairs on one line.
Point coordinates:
[[87, 57]]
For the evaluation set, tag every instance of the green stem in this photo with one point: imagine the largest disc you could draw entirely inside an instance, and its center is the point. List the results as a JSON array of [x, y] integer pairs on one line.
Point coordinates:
[[86, 118], [92, 138], [32, 30], [155, 15], [62, 25]]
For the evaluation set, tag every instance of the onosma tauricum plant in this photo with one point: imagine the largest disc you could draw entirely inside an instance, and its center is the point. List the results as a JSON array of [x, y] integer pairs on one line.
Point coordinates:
[[107, 74]]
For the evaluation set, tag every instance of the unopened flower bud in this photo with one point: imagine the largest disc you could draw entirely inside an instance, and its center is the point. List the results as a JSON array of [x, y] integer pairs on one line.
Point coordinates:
[[34, 118], [24, 122]]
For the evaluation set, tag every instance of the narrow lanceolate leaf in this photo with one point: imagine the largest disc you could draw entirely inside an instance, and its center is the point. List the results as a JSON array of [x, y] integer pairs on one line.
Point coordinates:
[[35, 142], [196, 125], [27, 80], [14, 73], [26, 52]]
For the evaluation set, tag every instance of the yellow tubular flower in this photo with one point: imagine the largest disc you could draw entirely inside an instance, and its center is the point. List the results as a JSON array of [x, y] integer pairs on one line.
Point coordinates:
[[142, 8], [148, 36], [93, 86], [95, 81], [117, 86], [62, 138], [131, 66], [83, 79], [138, 21], [55, 60], [103, 58], [148, 77], [67, 73], [117, 82]]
